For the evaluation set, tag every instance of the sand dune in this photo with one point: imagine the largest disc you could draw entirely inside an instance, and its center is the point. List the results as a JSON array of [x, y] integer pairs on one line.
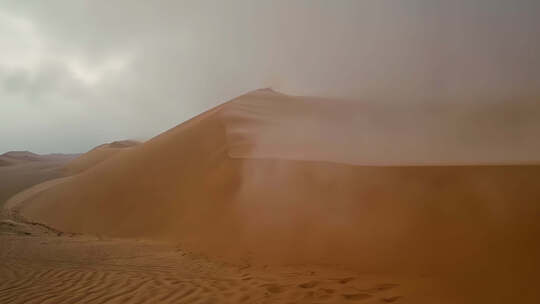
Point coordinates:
[[283, 180], [17, 157], [20, 170], [21, 156], [97, 155]]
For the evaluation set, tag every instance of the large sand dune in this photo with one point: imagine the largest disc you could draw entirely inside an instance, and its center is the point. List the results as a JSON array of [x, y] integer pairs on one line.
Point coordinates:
[[283, 179]]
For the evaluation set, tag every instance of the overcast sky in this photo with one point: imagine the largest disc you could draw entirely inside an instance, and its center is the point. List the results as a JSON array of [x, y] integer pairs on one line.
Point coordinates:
[[75, 74]]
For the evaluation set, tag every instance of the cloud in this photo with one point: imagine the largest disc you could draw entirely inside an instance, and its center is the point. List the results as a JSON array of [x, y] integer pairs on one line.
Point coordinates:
[[132, 69]]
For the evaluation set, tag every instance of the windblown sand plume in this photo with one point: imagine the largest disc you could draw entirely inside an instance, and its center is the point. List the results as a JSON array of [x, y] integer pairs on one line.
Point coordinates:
[[282, 180]]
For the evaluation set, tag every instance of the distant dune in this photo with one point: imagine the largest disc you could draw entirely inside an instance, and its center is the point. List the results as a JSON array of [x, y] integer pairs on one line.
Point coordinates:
[[97, 155], [22, 169], [262, 176], [21, 155], [18, 157]]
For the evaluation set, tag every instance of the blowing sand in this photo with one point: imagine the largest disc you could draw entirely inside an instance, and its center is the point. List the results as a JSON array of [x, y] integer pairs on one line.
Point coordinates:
[[261, 181], [39, 264]]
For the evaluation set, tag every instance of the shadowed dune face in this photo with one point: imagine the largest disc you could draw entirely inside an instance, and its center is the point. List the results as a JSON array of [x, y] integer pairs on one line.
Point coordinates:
[[232, 183]]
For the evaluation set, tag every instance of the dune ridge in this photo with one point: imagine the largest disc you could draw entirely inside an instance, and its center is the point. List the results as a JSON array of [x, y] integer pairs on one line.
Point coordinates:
[[97, 155]]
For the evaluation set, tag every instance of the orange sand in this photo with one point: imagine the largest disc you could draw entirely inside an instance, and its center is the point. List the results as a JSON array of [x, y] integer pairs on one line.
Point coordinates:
[[261, 176]]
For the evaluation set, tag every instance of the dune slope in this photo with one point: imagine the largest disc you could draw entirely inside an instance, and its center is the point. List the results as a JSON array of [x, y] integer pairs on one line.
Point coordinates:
[[263, 176], [97, 155], [20, 170]]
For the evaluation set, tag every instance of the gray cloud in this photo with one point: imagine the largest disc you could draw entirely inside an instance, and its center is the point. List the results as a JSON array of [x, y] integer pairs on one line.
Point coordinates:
[[74, 74]]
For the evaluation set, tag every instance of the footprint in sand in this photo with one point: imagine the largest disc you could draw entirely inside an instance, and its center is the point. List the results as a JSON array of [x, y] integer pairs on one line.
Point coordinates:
[[328, 290], [391, 299], [385, 286], [245, 298], [381, 287], [357, 296], [346, 280], [273, 288], [310, 284], [322, 293]]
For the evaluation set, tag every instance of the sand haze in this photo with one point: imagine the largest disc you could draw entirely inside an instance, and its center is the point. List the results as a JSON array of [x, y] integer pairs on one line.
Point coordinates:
[[303, 151]]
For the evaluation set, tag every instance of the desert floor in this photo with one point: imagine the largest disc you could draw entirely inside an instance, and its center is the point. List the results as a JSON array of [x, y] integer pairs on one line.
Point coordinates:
[[43, 267], [39, 264]]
